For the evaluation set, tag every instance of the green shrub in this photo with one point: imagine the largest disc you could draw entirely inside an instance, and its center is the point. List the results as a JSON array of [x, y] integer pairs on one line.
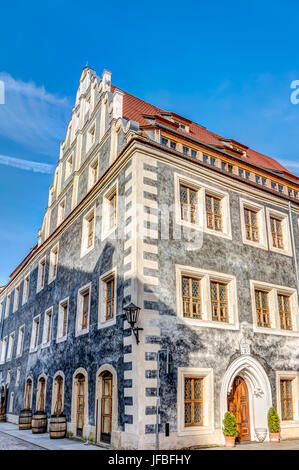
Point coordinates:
[[229, 425], [273, 420]]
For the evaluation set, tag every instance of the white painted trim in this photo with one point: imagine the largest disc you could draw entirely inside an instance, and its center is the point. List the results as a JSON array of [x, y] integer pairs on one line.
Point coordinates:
[[263, 242], [102, 323], [287, 250], [78, 330]]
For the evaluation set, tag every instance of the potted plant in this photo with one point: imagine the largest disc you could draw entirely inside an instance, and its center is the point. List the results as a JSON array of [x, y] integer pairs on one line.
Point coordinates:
[[274, 425], [229, 429]]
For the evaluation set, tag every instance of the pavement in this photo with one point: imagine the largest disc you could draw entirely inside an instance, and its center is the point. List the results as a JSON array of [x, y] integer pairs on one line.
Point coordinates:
[[11, 438], [288, 444]]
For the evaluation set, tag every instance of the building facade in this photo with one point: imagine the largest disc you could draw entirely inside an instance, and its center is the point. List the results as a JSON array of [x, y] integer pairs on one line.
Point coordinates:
[[200, 232]]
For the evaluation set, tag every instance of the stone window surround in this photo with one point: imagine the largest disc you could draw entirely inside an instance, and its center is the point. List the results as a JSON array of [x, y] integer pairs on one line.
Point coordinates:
[[79, 331], [91, 131], [294, 376], [38, 387], [60, 339], [4, 344], [263, 242], [45, 328], [206, 276], [11, 342], [60, 214], [7, 305], [16, 299], [39, 287], [18, 375], [86, 217], [203, 189], [54, 385], [25, 296], [208, 401], [273, 290], [106, 232], [32, 347], [102, 322], [90, 171], [69, 166], [287, 250], [20, 352], [50, 275]]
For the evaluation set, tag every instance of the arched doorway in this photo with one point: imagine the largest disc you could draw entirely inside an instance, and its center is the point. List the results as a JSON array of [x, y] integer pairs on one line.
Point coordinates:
[[28, 394], [106, 407], [41, 394], [245, 377], [238, 404], [80, 404], [57, 403]]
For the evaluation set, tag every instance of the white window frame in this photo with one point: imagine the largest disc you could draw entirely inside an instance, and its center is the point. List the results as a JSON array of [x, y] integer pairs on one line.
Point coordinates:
[[284, 218], [39, 277], [68, 167], [102, 322], [206, 276], [33, 333], [79, 331], [91, 136], [273, 290], [59, 337], [7, 305], [106, 231], [20, 342], [202, 190], [16, 299], [18, 376], [84, 238], [208, 401], [91, 172], [294, 376], [11, 341], [4, 344], [51, 277], [261, 221], [61, 211], [45, 343], [25, 293]]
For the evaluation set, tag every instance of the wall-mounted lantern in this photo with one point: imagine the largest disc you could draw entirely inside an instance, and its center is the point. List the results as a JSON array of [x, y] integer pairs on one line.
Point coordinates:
[[132, 315]]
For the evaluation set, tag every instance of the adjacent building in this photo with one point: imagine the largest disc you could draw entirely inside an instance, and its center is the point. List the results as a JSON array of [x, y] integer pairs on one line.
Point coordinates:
[[198, 231]]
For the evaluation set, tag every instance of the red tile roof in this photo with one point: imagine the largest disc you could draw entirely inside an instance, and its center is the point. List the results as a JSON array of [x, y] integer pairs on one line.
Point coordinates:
[[134, 108]]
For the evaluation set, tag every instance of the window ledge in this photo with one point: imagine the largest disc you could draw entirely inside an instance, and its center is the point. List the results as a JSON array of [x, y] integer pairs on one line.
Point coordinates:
[[61, 339], [106, 324], [289, 424], [108, 233], [256, 244], [46, 345], [274, 331], [210, 324], [82, 332], [51, 279], [281, 251], [86, 251], [194, 430]]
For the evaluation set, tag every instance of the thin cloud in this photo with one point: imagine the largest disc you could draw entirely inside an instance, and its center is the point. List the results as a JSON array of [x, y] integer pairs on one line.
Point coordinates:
[[33, 117], [28, 165]]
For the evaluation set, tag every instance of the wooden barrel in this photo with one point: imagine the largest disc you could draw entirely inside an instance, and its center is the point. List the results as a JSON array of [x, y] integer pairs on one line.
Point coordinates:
[[25, 419], [39, 422], [57, 427]]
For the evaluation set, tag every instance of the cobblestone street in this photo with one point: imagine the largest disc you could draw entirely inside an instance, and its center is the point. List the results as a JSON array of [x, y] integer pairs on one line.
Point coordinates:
[[13, 443]]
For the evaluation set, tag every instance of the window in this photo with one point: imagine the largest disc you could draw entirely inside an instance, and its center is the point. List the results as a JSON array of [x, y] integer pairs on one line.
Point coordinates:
[[206, 298], [193, 153], [193, 401], [91, 137], [262, 308], [68, 167], [88, 232], [284, 312], [61, 212], [62, 320], [279, 232], [10, 346], [286, 399], [83, 309], [219, 301], [20, 344], [112, 211], [7, 305], [188, 200], [275, 308], [18, 375], [41, 274], [213, 211], [26, 289], [93, 172], [109, 212], [173, 145], [253, 225], [109, 298], [3, 349], [186, 150], [53, 263], [164, 141], [16, 298], [191, 297], [47, 327], [35, 333]]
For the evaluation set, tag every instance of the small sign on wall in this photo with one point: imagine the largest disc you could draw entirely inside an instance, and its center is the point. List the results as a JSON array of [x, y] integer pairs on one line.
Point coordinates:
[[244, 348]]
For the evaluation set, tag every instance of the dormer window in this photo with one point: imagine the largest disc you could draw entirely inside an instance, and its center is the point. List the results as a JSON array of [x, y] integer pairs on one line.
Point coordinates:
[[193, 153], [186, 150], [172, 145], [164, 141]]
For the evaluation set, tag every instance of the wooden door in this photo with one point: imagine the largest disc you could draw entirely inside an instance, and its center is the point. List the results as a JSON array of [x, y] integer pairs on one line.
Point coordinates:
[[80, 406], [106, 409], [238, 404]]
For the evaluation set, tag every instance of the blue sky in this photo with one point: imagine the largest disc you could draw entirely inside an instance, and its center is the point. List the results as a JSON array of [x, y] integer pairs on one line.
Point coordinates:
[[225, 65]]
